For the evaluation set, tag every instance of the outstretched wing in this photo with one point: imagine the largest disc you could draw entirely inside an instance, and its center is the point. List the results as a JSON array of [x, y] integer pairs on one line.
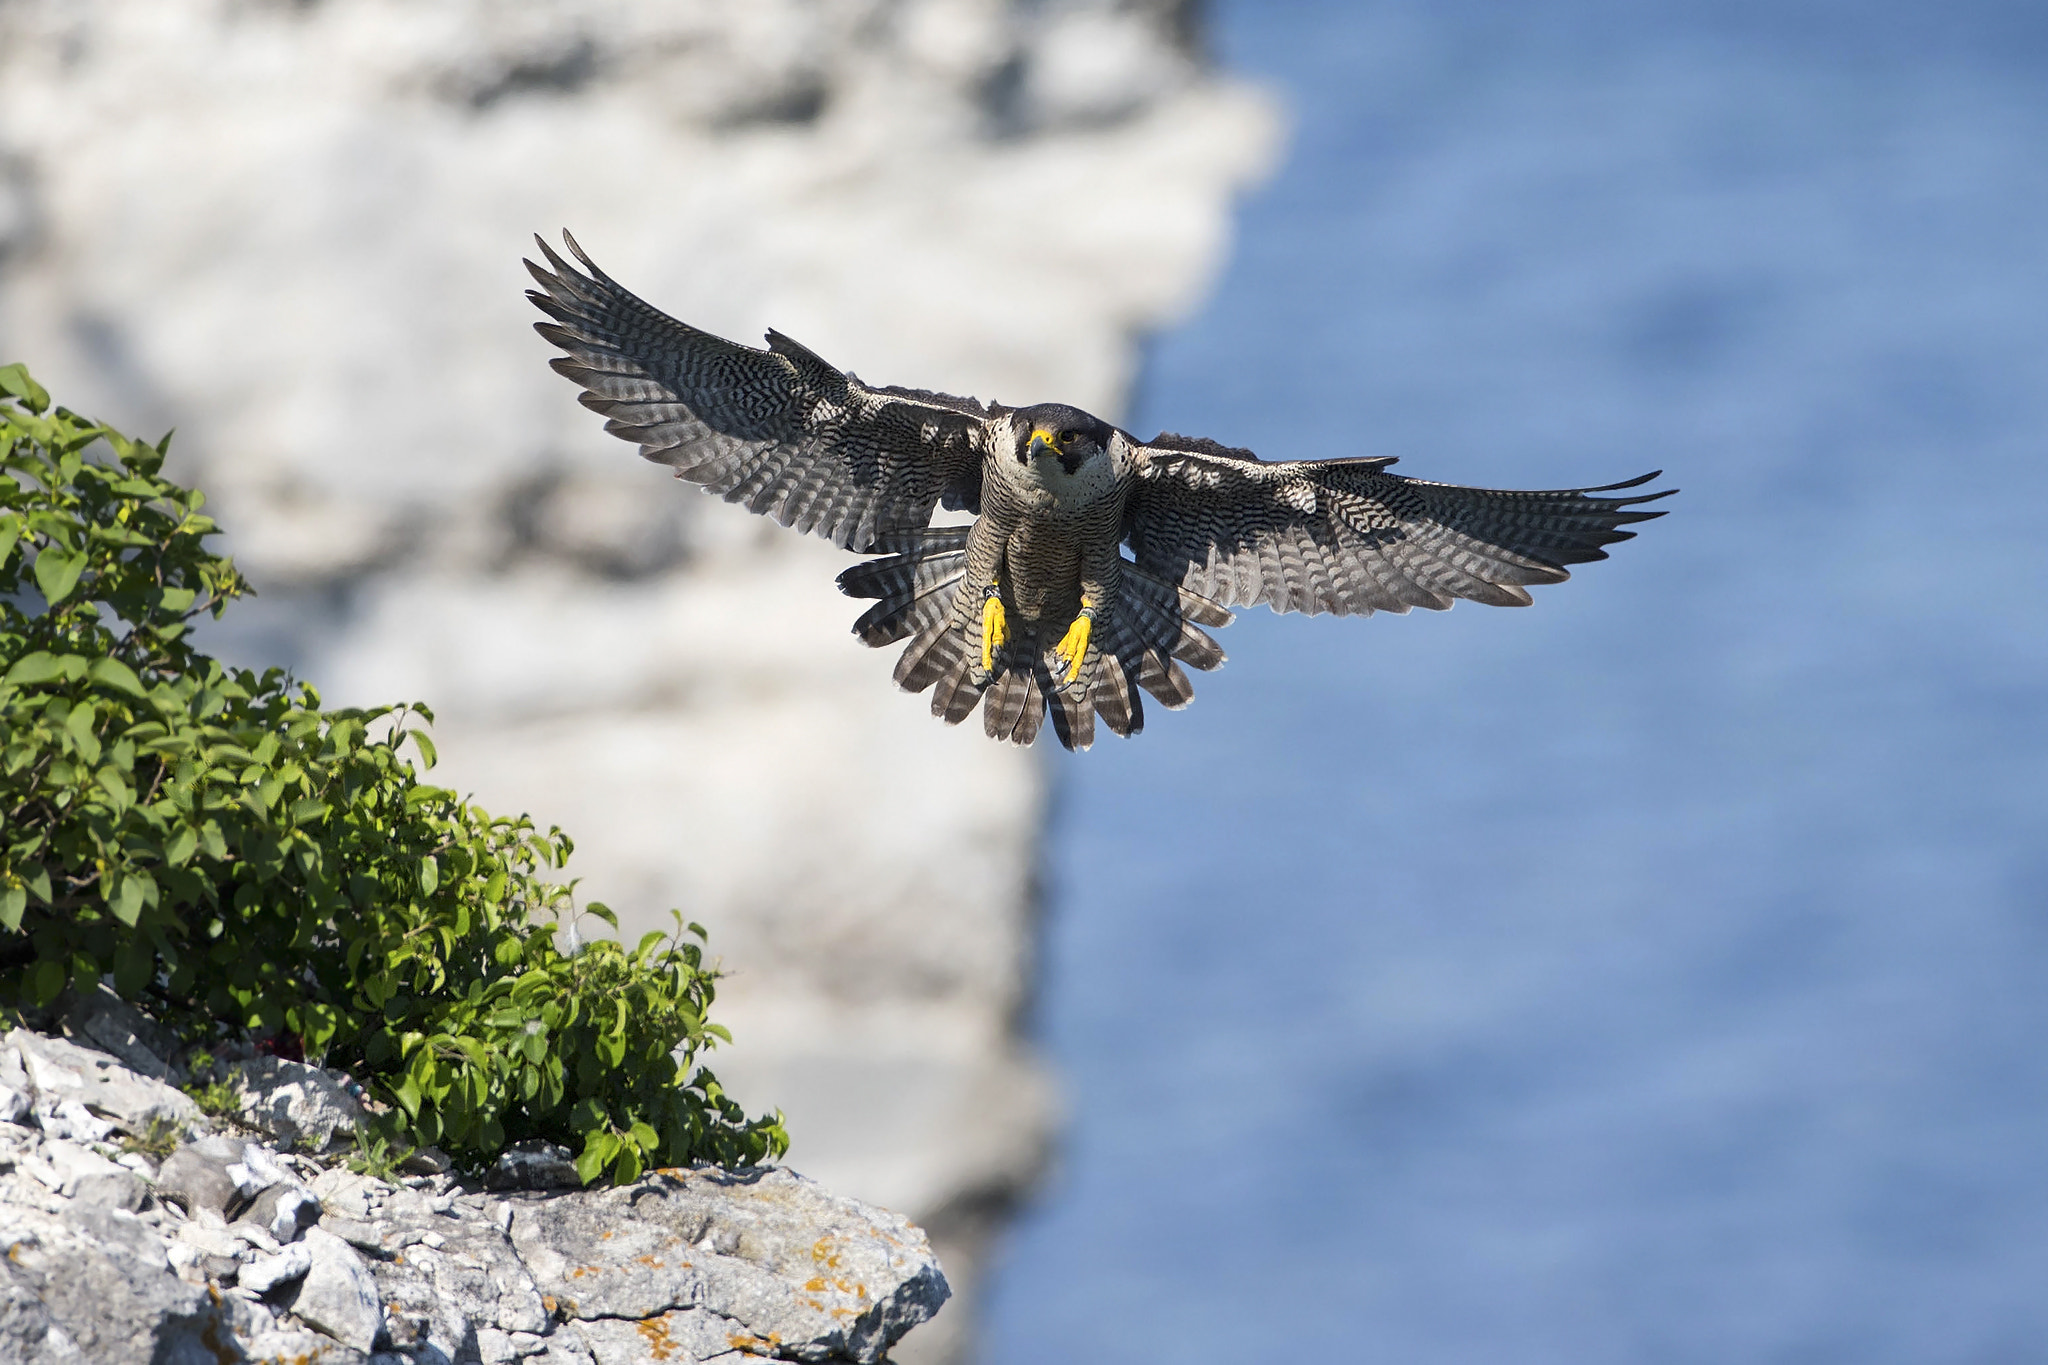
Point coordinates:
[[1346, 536], [779, 430]]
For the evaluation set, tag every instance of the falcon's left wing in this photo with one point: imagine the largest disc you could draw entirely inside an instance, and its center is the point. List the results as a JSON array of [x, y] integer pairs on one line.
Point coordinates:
[[778, 430], [1346, 536]]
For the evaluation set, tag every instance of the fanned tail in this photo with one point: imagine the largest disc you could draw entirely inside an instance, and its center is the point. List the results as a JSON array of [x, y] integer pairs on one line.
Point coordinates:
[[1138, 647]]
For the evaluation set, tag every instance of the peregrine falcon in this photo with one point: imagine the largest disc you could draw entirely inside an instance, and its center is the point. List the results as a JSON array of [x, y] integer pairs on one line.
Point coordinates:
[[1034, 606]]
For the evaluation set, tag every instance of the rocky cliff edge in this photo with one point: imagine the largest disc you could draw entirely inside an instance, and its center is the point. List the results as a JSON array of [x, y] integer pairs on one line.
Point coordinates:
[[137, 1228]]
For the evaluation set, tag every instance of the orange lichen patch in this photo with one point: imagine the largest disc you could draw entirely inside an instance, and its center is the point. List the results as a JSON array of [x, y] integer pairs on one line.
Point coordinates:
[[825, 1252], [650, 1261], [578, 1272], [660, 1345], [604, 1236], [547, 1301], [816, 1284]]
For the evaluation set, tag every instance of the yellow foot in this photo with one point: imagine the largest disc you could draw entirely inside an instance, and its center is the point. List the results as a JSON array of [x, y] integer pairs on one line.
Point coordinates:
[[1073, 646], [995, 628]]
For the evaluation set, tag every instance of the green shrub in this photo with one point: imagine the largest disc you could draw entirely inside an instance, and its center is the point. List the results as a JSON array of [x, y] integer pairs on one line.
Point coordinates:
[[231, 854]]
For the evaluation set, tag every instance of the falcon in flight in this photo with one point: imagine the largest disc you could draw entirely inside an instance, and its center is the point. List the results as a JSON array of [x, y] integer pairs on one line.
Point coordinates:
[[1034, 607]]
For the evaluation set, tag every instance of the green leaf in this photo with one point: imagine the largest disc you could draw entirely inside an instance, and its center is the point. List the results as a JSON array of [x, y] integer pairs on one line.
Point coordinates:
[[14, 380], [57, 573], [40, 666], [126, 900], [430, 874], [46, 980], [591, 1161], [426, 748], [13, 904], [79, 725], [117, 675]]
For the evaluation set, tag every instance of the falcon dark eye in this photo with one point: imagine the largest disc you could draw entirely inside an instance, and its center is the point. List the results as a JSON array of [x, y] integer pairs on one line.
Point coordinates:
[[1067, 438]]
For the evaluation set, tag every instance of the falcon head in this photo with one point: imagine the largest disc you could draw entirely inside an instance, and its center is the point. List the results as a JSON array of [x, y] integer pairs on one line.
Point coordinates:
[[1054, 431]]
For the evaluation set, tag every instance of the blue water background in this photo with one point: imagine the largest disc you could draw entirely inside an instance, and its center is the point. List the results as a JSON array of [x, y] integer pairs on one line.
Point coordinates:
[[1659, 973]]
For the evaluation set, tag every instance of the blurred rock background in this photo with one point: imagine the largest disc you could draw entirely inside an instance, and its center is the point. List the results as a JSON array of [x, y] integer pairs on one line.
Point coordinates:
[[291, 230]]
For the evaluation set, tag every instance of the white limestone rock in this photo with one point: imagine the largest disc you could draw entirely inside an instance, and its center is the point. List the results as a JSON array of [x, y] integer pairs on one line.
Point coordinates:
[[350, 1194], [337, 1294], [283, 1212], [301, 1106], [682, 1266], [62, 1073], [767, 1249], [197, 1176], [94, 1284], [681, 1334], [266, 1273], [103, 1020], [453, 1271]]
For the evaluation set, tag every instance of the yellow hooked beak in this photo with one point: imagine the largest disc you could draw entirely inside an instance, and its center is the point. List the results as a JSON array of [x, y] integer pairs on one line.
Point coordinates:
[[1043, 442]]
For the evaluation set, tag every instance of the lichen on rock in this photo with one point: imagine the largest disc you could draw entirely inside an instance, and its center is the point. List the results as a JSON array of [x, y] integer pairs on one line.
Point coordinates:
[[232, 1248]]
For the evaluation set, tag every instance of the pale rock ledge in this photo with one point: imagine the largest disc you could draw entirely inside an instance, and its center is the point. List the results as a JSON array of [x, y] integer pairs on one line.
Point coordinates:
[[233, 1249]]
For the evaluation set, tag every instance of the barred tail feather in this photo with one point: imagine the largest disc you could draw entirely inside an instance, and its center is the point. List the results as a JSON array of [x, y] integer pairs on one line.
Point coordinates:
[[1111, 693], [929, 657], [1073, 715], [1016, 707], [915, 579], [900, 615], [956, 696]]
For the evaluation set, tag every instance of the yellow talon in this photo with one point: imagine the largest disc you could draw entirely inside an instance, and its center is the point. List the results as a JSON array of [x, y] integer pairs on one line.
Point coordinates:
[[1073, 646], [995, 630]]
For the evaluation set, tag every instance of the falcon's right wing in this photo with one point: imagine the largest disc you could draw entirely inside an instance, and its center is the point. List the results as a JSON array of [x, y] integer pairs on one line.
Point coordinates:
[[779, 430], [1346, 536]]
